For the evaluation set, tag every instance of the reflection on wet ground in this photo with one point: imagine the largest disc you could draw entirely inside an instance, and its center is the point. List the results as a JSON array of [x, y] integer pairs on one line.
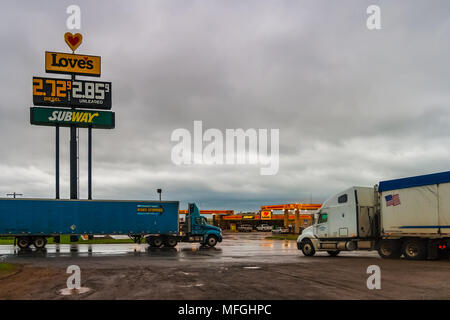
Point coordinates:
[[239, 248], [234, 246]]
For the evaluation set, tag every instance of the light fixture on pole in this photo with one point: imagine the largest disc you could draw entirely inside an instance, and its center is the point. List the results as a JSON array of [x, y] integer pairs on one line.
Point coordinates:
[[159, 191]]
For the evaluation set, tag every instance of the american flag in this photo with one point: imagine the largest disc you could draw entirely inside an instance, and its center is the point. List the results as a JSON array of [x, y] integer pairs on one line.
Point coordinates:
[[392, 200]]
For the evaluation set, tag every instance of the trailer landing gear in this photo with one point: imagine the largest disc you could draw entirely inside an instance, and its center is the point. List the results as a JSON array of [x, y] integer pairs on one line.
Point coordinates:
[[136, 239]]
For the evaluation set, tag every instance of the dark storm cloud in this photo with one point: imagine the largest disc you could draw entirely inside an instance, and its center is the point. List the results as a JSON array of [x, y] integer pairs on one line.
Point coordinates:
[[353, 106]]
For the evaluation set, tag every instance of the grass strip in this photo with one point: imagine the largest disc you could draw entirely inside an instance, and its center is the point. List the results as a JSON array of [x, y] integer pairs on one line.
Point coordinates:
[[284, 237]]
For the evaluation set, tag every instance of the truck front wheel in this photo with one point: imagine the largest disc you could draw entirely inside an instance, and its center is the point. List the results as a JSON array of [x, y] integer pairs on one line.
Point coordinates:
[[415, 249], [308, 248], [389, 249], [211, 241]]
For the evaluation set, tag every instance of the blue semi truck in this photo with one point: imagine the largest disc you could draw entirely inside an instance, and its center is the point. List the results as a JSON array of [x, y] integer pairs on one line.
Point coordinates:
[[32, 221]]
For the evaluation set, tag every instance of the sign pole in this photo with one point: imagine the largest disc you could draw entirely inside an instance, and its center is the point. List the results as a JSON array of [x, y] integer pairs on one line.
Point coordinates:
[[73, 163], [90, 163], [73, 160], [57, 161], [65, 100]]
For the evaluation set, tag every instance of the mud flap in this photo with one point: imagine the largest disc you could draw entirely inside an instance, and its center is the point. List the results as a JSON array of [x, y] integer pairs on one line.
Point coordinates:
[[432, 250]]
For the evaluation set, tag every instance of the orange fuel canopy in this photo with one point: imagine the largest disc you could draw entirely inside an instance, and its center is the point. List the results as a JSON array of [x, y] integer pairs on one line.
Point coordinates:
[[219, 212], [293, 206]]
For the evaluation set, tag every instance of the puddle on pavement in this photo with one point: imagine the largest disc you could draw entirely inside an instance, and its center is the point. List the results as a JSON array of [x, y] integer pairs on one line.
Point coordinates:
[[192, 285]]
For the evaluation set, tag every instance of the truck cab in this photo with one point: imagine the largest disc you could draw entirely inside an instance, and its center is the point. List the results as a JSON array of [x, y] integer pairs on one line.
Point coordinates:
[[196, 229], [346, 221]]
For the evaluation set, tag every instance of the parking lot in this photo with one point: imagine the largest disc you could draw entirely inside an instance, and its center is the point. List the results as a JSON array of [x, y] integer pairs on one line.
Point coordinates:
[[243, 266]]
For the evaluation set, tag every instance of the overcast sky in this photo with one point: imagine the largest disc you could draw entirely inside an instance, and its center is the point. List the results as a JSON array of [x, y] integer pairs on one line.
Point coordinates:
[[353, 106]]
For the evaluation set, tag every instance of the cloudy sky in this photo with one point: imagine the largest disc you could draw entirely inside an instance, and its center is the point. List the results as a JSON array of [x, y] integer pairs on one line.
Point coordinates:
[[353, 106]]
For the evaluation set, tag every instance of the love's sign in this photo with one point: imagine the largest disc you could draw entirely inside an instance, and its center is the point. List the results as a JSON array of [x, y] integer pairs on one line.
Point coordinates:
[[266, 215], [58, 62]]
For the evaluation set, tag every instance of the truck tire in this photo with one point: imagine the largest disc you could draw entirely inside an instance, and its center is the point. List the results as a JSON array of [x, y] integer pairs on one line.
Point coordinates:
[[308, 248], [333, 253], [39, 242], [23, 242], [170, 242], [155, 242], [415, 249], [389, 249], [211, 241]]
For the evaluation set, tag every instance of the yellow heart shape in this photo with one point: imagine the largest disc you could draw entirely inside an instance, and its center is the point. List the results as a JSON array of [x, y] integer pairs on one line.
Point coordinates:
[[73, 40]]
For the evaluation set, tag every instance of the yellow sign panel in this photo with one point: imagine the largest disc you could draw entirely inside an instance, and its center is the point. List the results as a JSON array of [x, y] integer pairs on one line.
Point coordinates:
[[266, 215], [58, 62]]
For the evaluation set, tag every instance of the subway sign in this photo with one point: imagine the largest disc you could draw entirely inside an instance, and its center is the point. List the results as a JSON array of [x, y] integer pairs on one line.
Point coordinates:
[[69, 117], [68, 93], [67, 63]]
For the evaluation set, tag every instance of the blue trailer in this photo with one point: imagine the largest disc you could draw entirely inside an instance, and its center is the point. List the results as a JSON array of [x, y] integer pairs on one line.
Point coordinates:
[[32, 221]]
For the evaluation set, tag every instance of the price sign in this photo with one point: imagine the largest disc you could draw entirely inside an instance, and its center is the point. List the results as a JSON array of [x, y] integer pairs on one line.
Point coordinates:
[[68, 93]]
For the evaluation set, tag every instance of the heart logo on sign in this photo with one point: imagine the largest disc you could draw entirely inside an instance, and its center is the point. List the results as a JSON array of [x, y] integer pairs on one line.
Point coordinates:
[[73, 40]]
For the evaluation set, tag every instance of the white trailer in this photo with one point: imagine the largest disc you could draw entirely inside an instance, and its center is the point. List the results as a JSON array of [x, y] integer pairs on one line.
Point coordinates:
[[409, 216]]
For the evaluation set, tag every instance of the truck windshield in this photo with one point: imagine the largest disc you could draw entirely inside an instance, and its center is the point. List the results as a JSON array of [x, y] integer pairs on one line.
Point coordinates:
[[200, 220]]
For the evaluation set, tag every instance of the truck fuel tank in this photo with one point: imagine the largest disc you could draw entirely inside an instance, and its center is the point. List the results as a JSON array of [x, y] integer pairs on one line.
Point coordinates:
[[346, 245]]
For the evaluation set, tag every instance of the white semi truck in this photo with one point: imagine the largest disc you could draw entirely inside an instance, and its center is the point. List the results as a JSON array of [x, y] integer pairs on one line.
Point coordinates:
[[409, 216]]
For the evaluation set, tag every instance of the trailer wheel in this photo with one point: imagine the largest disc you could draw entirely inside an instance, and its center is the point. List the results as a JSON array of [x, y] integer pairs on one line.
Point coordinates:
[[211, 241], [155, 241], [308, 248], [40, 242], [415, 249], [170, 242], [333, 253], [389, 249], [23, 242]]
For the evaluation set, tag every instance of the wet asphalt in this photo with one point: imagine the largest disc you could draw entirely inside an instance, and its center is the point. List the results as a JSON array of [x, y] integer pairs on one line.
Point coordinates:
[[244, 266], [235, 248]]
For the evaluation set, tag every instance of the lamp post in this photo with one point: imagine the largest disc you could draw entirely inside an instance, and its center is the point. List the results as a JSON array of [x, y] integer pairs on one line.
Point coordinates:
[[159, 191]]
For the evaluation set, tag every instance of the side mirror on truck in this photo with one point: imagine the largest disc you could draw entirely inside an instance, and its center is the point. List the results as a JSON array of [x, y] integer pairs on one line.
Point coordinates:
[[316, 218]]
